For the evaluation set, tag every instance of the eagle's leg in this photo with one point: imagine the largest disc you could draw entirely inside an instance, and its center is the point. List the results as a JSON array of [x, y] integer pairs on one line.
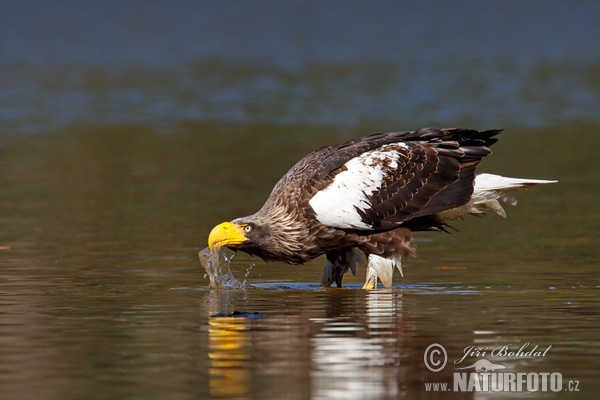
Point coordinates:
[[332, 273], [338, 263], [382, 268]]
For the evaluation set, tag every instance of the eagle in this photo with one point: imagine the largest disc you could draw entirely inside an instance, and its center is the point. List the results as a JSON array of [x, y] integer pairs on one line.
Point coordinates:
[[361, 200]]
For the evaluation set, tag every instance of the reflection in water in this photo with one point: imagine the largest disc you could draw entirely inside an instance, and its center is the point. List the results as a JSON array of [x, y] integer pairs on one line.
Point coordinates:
[[228, 348], [357, 344], [229, 370], [352, 358]]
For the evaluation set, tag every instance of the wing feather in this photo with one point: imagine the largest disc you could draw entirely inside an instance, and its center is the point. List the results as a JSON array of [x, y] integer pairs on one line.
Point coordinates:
[[380, 181]]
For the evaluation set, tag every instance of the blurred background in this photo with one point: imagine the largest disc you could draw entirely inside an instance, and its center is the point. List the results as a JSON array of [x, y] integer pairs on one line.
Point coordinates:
[[383, 64], [129, 128]]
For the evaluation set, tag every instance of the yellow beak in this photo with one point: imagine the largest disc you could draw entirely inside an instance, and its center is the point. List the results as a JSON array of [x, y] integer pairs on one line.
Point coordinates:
[[226, 234]]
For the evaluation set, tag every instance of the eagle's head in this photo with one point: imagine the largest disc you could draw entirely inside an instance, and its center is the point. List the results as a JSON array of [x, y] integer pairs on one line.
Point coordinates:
[[240, 234], [259, 235], [228, 234]]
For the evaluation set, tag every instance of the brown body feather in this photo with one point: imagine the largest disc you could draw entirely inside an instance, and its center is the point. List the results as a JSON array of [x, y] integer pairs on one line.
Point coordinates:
[[435, 173]]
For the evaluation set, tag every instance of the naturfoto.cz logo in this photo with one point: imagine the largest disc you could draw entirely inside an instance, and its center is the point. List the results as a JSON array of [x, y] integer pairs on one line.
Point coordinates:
[[483, 375]]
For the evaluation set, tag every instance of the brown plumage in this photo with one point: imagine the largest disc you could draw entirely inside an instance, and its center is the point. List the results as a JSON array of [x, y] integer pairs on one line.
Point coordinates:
[[365, 197]]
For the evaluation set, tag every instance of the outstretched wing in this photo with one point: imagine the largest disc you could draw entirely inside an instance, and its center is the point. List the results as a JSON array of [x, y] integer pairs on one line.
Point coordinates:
[[380, 181]]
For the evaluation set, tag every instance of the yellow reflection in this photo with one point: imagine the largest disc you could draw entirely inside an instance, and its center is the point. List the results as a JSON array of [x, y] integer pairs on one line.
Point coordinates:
[[228, 351]]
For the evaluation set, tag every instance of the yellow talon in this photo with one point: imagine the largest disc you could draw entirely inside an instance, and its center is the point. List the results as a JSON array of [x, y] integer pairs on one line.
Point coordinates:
[[370, 284]]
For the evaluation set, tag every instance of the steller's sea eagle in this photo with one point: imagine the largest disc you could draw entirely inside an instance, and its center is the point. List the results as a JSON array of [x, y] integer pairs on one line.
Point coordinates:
[[363, 198]]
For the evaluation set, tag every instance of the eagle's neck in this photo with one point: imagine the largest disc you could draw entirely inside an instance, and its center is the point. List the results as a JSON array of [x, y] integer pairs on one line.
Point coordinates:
[[282, 233]]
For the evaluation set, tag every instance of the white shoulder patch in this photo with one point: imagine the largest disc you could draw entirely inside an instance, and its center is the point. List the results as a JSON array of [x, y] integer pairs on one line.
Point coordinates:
[[336, 204]]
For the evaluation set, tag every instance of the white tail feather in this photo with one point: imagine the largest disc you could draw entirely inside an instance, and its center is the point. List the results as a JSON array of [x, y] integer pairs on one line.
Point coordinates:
[[487, 182], [488, 193]]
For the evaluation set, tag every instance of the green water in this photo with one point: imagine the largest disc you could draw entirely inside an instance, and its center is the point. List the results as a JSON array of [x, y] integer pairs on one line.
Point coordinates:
[[104, 296]]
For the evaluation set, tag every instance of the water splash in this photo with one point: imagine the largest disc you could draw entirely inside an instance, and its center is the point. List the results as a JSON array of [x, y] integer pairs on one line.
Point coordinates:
[[217, 266]]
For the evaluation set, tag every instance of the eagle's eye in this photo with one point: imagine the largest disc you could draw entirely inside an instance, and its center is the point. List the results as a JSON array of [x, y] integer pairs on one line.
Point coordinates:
[[247, 228]]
